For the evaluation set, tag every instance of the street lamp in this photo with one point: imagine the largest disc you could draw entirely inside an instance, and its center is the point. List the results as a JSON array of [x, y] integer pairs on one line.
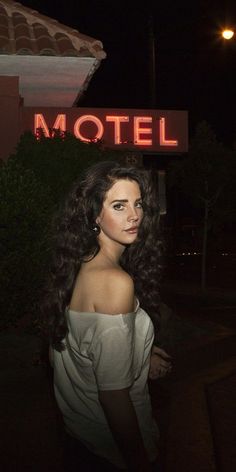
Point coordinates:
[[227, 33]]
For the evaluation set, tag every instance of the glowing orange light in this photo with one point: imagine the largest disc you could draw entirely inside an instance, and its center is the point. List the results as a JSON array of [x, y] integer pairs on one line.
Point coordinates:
[[93, 119], [117, 120], [40, 123], [227, 34], [138, 130], [163, 140]]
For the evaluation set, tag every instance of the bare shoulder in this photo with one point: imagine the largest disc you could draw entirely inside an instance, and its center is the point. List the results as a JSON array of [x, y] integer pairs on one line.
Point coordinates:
[[118, 276], [104, 290], [116, 292]]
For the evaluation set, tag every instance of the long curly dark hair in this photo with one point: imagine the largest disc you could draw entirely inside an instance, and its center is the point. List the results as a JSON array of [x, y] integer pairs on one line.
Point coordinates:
[[75, 242]]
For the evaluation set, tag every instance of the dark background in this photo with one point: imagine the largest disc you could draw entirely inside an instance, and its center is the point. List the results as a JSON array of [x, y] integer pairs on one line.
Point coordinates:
[[195, 67]]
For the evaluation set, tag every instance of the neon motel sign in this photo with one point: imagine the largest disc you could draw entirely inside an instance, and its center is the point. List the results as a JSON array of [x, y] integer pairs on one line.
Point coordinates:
[[151, 130]]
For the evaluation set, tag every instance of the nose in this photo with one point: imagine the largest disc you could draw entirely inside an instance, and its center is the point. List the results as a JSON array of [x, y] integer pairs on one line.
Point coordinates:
[[133, 214]]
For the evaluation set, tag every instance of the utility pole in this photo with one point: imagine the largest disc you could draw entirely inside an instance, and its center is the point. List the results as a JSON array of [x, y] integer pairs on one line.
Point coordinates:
[[152, 63]]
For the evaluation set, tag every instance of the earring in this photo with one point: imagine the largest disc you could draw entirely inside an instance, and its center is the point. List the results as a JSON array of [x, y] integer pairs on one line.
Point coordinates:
[[96, 229]]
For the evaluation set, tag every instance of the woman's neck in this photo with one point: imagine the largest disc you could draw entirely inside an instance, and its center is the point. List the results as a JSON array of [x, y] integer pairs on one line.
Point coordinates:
[[111, 254]]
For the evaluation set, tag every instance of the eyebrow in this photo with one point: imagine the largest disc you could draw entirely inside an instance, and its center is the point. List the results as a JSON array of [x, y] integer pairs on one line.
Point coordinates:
[[125, 200]]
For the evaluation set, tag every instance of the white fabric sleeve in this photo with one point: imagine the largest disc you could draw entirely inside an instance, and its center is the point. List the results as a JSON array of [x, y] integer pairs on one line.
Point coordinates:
[[113, 359]]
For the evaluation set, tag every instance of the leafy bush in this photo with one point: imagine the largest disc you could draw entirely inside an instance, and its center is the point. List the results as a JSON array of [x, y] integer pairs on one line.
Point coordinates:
[[58, 161], [25, 210]]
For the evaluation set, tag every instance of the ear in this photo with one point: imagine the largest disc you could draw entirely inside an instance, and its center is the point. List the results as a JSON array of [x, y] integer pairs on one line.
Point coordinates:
[[98, 220]]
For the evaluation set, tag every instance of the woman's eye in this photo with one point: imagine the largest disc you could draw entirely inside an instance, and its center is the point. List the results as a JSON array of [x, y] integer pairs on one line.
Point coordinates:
[[139, 205], [118, 206]]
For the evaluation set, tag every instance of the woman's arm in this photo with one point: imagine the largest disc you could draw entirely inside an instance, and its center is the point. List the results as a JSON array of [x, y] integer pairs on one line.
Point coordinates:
[[117, 354], [122, 419], [160, 363]]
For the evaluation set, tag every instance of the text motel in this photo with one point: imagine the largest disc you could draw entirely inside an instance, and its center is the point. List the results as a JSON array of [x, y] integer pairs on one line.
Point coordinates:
[[141, 131]]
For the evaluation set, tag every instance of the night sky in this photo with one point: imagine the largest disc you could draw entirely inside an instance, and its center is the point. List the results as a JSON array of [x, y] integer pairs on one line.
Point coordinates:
[[195, 68]]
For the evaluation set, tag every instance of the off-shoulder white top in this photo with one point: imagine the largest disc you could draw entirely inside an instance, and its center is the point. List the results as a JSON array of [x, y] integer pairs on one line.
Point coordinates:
[[104, 352]]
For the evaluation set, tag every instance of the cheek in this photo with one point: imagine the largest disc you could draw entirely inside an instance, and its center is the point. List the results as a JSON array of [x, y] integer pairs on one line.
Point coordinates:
[[116, 220], [112, 222]]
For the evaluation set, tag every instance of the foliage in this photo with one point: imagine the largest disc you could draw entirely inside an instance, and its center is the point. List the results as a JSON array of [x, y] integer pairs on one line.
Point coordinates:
[[204, 173], [25, 209], [59, 160], [205, 176]]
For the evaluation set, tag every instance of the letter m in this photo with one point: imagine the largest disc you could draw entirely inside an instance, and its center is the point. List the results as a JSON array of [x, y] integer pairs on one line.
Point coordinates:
[[40, 125]]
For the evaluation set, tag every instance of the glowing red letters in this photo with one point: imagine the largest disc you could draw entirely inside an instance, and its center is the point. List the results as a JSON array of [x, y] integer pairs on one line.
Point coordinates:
[[140, 131]]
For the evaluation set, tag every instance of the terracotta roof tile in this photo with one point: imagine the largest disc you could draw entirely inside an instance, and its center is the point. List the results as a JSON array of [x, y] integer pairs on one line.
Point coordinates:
[[25, 31], [3, 20], [22, 30], [24, 46], [2, 10], [18, 19], [3, 31], [4, 46], [64, 44]]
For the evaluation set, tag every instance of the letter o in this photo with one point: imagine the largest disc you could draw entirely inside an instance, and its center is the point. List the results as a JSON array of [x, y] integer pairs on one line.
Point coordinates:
[[95, 120]]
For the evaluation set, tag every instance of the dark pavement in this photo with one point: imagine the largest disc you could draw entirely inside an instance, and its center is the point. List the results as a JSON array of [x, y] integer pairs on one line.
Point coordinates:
[[198, 401], [195, 406]]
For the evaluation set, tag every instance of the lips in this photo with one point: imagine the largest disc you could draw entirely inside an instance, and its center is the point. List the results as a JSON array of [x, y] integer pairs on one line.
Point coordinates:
[[134, 229]]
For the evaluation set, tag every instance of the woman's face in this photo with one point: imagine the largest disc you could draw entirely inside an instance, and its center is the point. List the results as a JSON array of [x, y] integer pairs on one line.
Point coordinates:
[[122, 212]]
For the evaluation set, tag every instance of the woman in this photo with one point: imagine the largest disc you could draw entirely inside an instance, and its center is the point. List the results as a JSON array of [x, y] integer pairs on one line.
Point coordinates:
[[105, 269]]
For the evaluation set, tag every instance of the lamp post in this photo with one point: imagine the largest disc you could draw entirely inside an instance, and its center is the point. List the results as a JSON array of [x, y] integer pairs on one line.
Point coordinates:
[[152, 63], [227, 33]]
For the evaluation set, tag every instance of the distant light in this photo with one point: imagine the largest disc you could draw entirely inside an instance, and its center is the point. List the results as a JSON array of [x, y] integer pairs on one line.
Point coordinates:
[[228, 33]]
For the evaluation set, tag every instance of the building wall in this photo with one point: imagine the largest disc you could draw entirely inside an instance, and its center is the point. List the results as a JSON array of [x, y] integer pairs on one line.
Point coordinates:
[[10, 109]]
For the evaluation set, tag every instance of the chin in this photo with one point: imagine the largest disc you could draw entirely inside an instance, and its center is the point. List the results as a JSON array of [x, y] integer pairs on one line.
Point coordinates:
[[131, 238]]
